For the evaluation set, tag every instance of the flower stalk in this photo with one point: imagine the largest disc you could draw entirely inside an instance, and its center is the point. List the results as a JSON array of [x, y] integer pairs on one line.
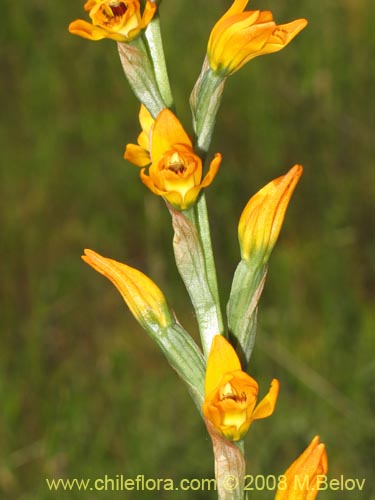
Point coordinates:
[[155, 44]]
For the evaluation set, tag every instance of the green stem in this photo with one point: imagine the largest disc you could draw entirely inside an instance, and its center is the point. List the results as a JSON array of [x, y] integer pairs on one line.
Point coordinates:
[[205, 235], [205, 101], [199, 217], [155, 43]]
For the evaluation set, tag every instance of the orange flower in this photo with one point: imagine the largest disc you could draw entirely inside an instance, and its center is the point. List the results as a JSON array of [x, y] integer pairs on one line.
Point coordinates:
[[119, 20], [262, 218], [231, 394], [303, 477], [240, 36], [175, 171]]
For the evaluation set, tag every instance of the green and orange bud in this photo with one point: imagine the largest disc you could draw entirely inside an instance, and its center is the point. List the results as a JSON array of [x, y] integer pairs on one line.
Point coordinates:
[[144, 299], [262, 218], [175, 171], [304, 476], [240, 35], [118, 20], [231, 394]]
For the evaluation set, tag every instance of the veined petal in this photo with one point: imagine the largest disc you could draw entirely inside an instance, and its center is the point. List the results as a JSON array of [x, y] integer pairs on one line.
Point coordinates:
[[283, 35], [221, 360], [226, 34], [246, 48]]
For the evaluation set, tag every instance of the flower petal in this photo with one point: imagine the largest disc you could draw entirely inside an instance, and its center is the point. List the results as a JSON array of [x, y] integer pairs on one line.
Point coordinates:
[[305, 474], [167, 131], [148, 13], [147, 181], [214, 168], [86, 30], [147, 122], [266, 407], [282, 36], [221, 360], [235, 8], [137, 155], [175, 199]]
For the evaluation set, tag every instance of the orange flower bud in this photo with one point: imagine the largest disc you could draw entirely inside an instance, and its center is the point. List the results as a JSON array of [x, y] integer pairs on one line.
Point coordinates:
[[303, 477], [262, 218], [240, 36], [119, 20], [144, 299], [231, 394]]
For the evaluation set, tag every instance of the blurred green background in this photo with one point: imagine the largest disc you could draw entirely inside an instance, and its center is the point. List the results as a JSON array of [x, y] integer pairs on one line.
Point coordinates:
[[84, 392]]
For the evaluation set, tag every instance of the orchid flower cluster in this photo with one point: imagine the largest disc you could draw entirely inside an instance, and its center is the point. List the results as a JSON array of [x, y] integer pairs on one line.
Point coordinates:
[[172, 166]]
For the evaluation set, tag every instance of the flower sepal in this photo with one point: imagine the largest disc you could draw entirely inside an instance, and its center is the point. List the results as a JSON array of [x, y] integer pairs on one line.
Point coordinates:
[[205, 101]]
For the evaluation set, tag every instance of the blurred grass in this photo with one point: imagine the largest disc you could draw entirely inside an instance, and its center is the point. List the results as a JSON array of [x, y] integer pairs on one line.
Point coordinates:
[[83, 391]]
